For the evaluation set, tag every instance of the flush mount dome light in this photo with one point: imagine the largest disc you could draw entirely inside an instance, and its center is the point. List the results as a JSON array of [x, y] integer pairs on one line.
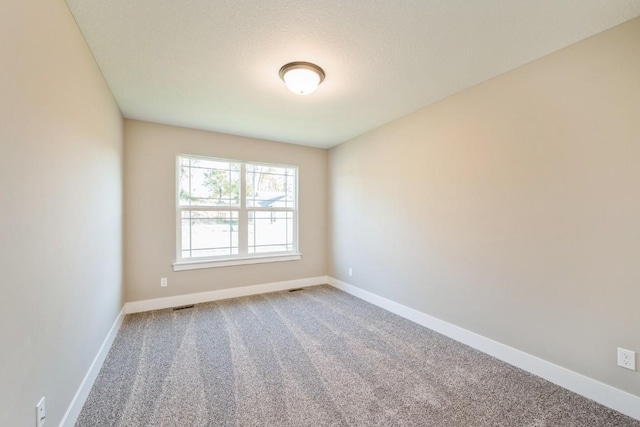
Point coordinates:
[[301, 78]]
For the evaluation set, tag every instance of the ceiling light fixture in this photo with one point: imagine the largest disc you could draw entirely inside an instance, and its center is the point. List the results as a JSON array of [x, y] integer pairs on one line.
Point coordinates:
[[301, 78]]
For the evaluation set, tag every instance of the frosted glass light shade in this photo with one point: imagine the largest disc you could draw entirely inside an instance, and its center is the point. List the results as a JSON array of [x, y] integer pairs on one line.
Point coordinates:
[[301, 81], [302, 78]]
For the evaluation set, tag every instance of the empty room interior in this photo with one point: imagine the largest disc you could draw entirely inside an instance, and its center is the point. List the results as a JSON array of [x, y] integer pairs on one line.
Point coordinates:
[[302, 213]]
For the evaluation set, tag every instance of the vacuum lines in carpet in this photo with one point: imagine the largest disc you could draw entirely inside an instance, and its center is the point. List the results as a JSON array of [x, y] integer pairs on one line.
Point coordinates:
[[315, 357]]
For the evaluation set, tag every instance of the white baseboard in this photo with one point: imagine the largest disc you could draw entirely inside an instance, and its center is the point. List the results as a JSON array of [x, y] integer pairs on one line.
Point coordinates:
[[178, 300], [70, 417], [604, 394]]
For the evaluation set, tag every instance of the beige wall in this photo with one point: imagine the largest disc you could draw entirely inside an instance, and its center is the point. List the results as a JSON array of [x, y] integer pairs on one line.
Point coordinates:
[[511, 209], [150, 230], [60, 209]]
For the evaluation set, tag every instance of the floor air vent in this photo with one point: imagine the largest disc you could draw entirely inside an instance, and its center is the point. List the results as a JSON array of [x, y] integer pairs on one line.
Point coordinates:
[[182, 307], [295, 290]]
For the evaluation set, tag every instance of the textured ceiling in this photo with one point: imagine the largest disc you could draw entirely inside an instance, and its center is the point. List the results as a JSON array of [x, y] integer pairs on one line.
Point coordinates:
[[213, 64]]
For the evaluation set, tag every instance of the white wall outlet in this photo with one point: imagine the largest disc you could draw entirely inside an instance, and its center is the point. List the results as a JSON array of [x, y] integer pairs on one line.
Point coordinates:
[[163, 281], [350, 271], [41, 414], [627, 358]]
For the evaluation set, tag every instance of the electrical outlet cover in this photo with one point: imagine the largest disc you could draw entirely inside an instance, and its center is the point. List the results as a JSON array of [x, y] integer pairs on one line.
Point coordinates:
[[41, 415], [627, 358]]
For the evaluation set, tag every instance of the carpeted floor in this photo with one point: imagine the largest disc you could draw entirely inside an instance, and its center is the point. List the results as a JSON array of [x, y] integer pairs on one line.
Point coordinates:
[[314, 357]]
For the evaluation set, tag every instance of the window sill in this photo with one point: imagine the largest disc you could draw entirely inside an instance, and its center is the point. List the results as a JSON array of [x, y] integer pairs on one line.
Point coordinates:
[[228, 262]]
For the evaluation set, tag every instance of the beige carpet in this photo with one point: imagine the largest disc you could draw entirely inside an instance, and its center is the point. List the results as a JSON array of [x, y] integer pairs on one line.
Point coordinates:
[[315, 357]]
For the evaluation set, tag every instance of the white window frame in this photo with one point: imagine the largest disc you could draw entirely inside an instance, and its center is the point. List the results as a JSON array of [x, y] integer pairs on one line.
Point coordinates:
[[243, 256]]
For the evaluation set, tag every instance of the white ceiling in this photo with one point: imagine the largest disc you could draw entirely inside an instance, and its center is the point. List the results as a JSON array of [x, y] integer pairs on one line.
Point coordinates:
[[213, 64]]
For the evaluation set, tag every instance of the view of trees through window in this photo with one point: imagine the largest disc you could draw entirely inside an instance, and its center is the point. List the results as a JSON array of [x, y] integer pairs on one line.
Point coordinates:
[[230, 208]]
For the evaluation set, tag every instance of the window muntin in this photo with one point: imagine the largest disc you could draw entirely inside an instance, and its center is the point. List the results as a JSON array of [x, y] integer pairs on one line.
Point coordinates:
[[207, 234], [270, 232], [229, 209], [270, 186], [205, 182]]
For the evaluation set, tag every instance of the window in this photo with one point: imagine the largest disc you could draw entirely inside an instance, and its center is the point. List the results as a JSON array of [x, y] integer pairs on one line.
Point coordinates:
[[231, 212]]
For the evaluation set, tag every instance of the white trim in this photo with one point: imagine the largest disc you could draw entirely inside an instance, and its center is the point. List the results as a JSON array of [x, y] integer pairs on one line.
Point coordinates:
[[178, 300], [604, 394], [70, 417], [227, 262]]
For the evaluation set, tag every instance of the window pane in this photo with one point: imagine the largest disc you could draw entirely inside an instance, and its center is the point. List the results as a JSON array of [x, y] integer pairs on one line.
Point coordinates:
[[209, 233], [208, 183], [271, 186], [270, 232]]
